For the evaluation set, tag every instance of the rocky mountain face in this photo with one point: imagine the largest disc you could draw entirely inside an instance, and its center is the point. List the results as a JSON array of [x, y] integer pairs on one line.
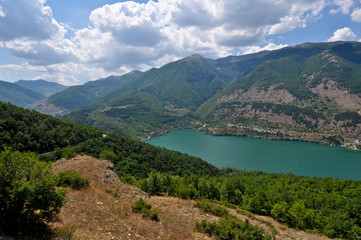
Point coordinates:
[[311, 89]]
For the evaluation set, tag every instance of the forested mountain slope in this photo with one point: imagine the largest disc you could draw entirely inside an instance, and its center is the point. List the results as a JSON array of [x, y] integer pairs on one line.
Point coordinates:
[[164, 98], [43, 87], [18, 95], [82, 95]]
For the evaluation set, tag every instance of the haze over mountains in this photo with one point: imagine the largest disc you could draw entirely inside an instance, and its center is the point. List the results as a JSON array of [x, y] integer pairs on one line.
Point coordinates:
[[307, 92]]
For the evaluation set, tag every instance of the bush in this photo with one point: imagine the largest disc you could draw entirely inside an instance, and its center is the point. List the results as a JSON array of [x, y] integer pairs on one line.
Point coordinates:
[[231, 228], [144, 208], [108, 155], [72, 179], [28, 197], [68, 153], [211, 208]]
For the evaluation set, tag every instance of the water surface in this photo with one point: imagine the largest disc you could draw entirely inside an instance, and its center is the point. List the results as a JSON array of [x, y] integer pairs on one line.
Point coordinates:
[[299, 158]]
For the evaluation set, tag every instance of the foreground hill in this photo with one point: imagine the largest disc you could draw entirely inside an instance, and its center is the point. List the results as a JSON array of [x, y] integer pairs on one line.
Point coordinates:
[[28, 130], [18, 95], [43, 87], [311, 92], [104, 210], [79, 96], [327, 206]]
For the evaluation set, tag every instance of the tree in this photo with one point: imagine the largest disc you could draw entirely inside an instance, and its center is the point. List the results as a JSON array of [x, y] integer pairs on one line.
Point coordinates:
[[28, 197]]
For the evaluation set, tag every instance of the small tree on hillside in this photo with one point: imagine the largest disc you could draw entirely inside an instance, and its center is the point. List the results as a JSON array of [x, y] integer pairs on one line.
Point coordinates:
[[28, 197]]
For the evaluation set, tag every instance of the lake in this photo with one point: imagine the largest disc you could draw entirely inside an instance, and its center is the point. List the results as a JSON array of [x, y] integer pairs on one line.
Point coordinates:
[[299, 158]]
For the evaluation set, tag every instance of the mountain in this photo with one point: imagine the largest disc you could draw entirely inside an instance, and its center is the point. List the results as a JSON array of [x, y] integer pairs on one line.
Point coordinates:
[[18, 95], [164, 98], [43, 87], [306, 92], [79, 96]]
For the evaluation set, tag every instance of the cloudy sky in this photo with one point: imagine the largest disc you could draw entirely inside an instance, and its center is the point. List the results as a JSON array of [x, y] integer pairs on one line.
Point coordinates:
[[74, 41]]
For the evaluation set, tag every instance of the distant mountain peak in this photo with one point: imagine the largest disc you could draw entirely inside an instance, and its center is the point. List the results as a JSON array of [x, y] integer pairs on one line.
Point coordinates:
[[196, 56], [193, 58]]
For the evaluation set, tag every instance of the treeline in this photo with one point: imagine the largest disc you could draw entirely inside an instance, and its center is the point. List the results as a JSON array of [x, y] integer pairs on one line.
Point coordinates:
[[52, 138], [133, 158], [28, 130], [328, 206]]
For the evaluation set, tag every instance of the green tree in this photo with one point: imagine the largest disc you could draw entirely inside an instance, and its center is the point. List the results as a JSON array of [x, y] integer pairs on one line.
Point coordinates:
[[108, 155], [28, 197]]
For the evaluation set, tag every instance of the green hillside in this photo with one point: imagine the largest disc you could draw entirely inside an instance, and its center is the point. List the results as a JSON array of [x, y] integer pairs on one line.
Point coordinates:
[[52, 138], [83, 95], [160, 99], [18, 95], [43, 87]]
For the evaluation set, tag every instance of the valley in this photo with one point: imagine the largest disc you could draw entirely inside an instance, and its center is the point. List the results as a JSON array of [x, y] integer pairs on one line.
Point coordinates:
[[310, 93]]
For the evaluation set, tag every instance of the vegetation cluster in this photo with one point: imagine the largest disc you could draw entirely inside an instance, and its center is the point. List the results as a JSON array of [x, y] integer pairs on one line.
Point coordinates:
[[324, 205], [145, 208]]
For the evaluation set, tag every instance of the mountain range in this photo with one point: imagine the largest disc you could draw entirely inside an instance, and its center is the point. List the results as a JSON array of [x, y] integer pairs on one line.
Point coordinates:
[[43, 87], [307, 92]]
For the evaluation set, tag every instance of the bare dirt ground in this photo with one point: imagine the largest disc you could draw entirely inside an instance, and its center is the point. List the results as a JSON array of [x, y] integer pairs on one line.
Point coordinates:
[[95, 213]]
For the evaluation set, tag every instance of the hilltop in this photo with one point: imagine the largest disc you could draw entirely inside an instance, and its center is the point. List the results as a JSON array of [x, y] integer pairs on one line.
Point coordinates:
[[97, 213]]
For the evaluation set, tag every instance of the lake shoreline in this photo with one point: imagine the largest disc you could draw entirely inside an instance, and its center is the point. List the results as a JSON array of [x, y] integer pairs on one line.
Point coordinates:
[[257, 154], [287, 135]]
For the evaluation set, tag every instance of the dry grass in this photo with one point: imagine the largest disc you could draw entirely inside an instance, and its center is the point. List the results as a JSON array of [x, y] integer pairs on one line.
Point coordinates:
[[94, 212], [97, 213]]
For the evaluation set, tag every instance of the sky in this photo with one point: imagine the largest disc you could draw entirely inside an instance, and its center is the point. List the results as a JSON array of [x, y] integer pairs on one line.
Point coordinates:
[[75, 41]]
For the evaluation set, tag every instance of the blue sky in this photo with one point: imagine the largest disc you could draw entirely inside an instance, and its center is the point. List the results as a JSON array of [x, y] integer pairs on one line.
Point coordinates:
[[75, 41]]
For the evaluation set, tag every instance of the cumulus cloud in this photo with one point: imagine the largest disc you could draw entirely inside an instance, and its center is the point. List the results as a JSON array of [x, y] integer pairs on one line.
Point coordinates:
[[268, 47], [356, 15], [129, 35], [343, 34], [26, 19]]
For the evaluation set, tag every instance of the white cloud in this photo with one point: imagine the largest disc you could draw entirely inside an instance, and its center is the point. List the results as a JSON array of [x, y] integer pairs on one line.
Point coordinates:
[[268, 47], [11, 66], [27, 19], [343, 34], [129, 35], [343, 6], [356, 15]]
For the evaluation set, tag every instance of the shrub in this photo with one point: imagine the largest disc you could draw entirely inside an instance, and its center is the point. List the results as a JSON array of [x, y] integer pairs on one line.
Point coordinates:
[[231, 228], [141, 206], [68, 153], [28, 197], [211, 208], [108, 155], [72, 179]]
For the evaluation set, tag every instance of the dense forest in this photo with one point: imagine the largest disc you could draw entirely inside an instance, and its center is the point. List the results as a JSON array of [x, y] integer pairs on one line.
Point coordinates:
[[52, 138], [328, 206]]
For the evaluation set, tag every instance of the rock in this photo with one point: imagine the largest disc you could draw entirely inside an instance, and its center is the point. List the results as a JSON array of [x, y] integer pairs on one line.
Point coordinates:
[[109, 165]]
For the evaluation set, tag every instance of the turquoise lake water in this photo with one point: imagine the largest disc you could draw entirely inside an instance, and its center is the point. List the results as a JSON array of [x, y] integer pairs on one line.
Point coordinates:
[[299, 158]]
